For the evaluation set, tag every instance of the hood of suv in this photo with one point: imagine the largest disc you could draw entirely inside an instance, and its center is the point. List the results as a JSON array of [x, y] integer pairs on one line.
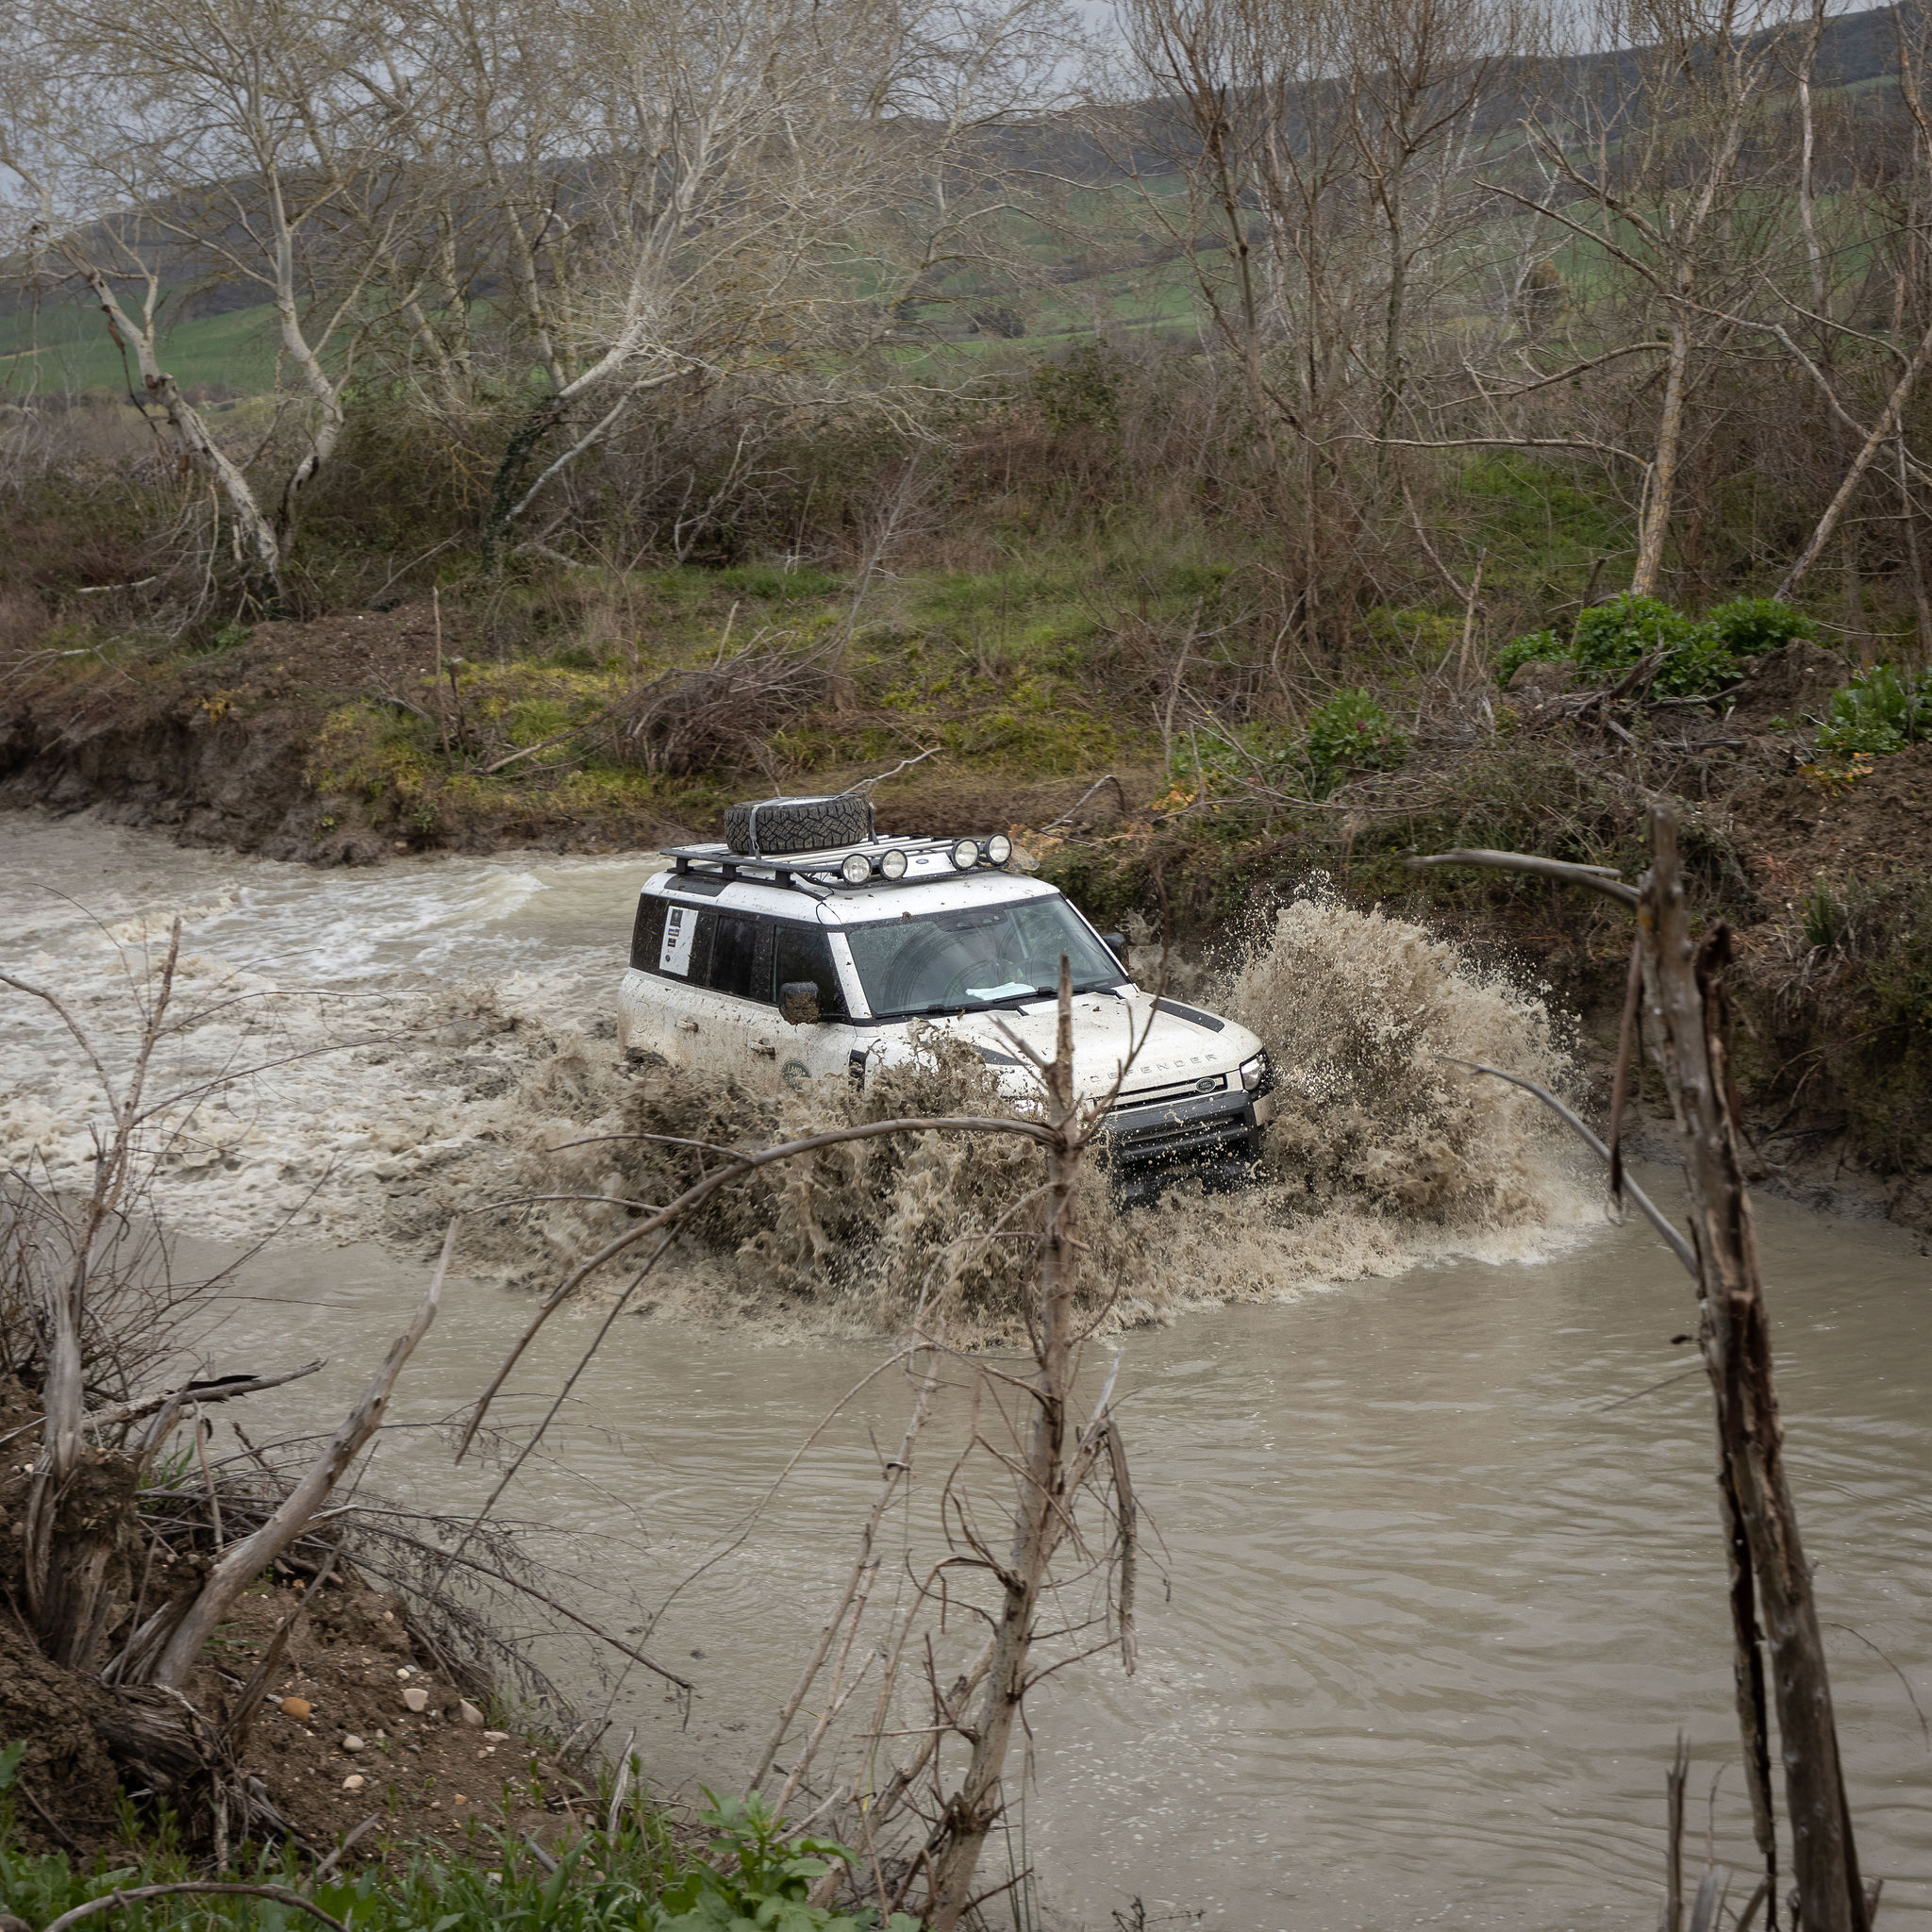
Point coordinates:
[[1175, 1051]]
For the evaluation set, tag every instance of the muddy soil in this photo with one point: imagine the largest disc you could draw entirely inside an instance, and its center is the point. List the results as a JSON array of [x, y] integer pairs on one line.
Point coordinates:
[[334, 1743]]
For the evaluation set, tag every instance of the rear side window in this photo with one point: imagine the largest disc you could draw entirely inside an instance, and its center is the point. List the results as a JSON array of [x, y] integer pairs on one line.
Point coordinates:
[[803, 952], [734, 951]]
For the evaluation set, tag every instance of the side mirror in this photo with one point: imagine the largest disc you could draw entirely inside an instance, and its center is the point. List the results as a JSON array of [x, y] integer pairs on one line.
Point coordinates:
[[798, 1002], [1116, 944]]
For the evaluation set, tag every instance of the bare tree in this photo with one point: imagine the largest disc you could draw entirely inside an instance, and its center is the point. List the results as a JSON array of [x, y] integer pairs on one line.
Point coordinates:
[[1677, 1008], [1326, 153]]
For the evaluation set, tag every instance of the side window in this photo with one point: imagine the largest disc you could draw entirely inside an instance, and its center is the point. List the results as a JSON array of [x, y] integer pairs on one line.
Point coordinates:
[[803, 952], [647, 935], [734, 957]]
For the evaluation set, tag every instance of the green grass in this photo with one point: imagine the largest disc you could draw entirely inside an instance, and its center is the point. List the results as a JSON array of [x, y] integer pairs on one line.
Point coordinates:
[[639, 1877], [64, 348]]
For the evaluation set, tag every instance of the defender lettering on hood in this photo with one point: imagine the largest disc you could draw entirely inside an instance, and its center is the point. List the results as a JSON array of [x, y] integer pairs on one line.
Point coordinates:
[[812, 948]]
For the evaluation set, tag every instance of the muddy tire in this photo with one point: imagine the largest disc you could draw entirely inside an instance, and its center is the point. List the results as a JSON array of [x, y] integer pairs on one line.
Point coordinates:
[[798, 824]]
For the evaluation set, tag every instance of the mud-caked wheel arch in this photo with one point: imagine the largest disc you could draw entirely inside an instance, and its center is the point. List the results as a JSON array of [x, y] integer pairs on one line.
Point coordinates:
[[797, 825]]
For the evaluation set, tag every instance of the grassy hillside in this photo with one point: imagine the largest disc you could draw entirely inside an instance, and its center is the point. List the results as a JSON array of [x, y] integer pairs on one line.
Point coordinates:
[[63, 348]]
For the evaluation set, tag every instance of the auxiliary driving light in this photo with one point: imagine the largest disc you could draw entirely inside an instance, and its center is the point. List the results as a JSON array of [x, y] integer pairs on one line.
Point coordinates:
[[965, 856], [893, 865], [999, 848], [856, 869]]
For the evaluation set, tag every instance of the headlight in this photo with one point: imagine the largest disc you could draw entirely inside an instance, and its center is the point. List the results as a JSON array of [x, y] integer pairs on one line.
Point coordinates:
[[965, 856], [1258, 1077], [856, 869], [999, 848], [893, 865]]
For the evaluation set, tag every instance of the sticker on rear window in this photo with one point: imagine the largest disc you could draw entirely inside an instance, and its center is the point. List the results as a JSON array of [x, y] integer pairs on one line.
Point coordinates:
[[674, 956]]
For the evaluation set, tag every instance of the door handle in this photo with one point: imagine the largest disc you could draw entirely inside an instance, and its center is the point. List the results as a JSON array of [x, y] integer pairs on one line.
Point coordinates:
[[765, 1049], [687, 1025]]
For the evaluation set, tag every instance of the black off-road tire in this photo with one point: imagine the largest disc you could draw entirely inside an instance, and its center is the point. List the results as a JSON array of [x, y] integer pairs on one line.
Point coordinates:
[[798, 824]]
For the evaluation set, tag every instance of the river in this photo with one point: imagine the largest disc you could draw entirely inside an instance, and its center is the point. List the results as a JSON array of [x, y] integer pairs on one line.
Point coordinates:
[[1438, 1572]]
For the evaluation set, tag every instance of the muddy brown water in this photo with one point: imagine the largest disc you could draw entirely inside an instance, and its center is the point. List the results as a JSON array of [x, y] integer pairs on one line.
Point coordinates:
[[1441, 1574]]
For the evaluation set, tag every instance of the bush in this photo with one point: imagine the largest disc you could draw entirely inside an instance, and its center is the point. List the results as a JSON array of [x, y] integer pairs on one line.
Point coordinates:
[[1351, 732], [1749, 626], [1539, 647], [1611, 638], [1699, 657], [1880, 711], [772, 1880]]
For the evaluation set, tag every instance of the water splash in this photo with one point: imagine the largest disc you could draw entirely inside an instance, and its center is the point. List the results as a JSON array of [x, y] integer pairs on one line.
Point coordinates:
[[406, 1048]]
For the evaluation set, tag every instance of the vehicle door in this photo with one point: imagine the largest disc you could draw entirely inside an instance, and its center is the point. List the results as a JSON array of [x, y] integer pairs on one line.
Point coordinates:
[[737, 976], [813, 1055]]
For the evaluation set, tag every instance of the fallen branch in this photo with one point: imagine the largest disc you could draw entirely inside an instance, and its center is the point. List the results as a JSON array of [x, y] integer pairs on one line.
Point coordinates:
[[1646, 1206], [1598, 878], [248, 1558], [226, 1390]]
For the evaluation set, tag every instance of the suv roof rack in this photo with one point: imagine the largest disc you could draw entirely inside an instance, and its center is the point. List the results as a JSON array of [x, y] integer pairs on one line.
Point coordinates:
[[922, 862]]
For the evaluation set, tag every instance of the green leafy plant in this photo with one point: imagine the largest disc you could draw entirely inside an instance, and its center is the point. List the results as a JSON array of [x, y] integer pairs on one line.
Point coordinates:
[[1749, 626], [771, 1883], [1538, 647], [1823, 918], [1614, 636], [1351, 732], [1881, 710], [1698, 657]]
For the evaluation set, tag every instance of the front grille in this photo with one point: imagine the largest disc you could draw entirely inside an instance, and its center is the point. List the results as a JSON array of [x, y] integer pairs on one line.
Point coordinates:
[[1180, 1090]]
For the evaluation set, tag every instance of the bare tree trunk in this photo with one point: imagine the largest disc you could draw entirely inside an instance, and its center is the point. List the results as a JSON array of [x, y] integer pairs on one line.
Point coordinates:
[[1867, 452], [974, 1808], [1687, 1011], [1806, 154], [203, 452], [1661, 486]]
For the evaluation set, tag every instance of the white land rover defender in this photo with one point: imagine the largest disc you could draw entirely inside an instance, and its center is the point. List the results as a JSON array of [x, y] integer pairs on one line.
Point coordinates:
[[810, 945]]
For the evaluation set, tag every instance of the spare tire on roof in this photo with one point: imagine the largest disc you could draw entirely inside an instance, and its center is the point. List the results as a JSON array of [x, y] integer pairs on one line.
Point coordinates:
[[797, 825]]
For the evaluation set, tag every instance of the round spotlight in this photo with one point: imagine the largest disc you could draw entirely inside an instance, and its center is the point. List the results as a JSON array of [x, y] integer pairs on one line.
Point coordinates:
[[999, 848], [965, 856], [893, 865], [856, 869]]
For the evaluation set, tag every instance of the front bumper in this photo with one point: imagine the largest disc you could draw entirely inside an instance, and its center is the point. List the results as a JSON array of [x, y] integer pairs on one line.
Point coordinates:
[[1206, 1127]]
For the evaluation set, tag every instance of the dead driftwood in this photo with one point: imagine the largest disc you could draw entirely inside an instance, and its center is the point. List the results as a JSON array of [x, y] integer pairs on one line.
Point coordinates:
[[1684, 1023]]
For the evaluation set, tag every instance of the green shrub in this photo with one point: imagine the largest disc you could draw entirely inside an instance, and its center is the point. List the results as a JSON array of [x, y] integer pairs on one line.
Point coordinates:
[[1880, 711], [1612, 637], [1697, 667], [1351, 732], [1699, 658], [1749, 626], [1538, 647]]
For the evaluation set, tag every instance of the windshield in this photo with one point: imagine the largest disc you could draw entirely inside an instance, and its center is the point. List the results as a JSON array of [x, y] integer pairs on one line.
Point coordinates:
[[946, 963]]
